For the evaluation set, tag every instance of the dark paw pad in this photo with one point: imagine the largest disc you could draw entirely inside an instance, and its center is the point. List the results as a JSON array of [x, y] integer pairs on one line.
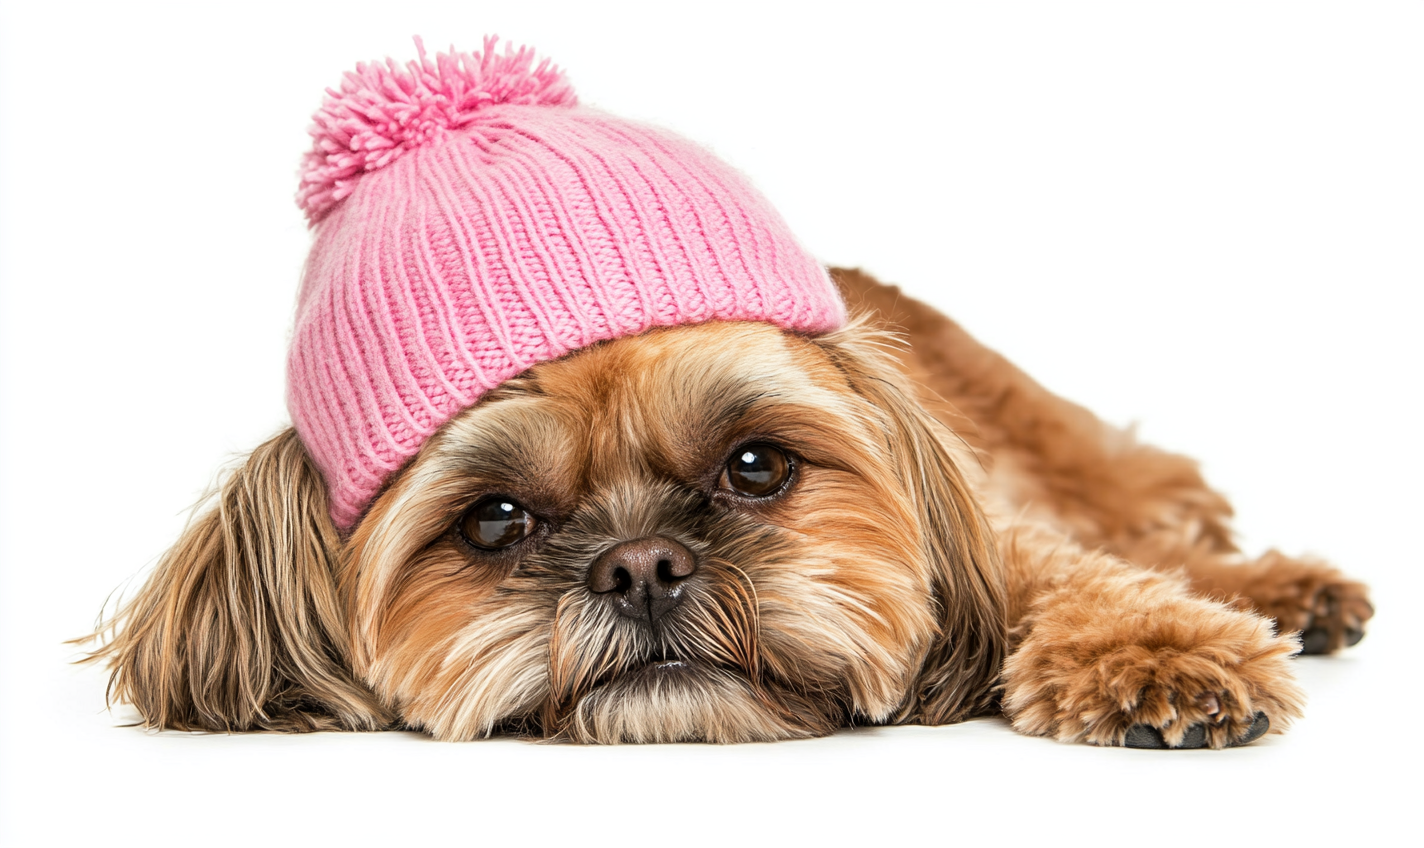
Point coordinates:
[[1146, 736], [1316, 639]]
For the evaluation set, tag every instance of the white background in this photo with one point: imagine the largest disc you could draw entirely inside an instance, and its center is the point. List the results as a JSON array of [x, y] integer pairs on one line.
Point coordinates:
[[1204, 217]]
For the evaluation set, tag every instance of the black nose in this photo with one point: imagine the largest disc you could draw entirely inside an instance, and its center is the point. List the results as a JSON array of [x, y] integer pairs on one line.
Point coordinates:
[[644, 577]]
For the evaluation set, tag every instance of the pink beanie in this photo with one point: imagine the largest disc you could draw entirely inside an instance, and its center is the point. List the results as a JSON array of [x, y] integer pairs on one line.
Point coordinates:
[[471, 220]]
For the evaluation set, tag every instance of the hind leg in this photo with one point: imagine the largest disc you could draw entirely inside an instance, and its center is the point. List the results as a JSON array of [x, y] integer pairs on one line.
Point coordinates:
[[1310, 597], [1153, 508], [1058, 463]]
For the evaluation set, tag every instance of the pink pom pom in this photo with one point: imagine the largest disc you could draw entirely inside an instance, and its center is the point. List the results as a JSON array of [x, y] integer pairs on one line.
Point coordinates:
[[382, 111]]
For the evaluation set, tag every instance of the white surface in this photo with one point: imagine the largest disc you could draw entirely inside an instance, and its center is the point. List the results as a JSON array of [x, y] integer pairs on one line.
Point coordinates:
[[1205, 217]]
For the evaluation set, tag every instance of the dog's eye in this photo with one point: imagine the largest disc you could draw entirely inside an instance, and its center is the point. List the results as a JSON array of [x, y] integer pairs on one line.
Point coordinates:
[[758, 470], [496, 522]]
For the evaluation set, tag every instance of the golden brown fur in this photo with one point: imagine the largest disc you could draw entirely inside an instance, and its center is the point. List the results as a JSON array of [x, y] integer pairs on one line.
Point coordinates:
[[955, 540], [240, 628]]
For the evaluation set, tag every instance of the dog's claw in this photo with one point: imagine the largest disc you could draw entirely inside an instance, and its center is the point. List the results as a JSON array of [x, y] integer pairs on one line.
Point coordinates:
[[1146, 736], [1209, 703], [1353, 635]]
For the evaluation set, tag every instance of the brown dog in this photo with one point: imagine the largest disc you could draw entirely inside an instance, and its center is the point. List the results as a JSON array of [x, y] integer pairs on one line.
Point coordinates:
[[728, 532]]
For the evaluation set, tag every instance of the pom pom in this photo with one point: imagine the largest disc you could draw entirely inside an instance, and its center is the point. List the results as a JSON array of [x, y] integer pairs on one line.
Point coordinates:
[[383, 110]]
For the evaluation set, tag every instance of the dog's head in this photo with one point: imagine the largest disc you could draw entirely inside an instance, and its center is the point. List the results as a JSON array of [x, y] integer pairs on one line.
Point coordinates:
[[715, 532]]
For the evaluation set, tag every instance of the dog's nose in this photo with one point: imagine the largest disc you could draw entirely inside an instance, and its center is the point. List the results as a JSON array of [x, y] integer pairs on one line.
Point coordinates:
[[643, 577]]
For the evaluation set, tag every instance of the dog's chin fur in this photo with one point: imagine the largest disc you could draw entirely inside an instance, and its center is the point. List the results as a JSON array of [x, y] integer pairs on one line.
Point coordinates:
[[809, 609], [1009, 551]]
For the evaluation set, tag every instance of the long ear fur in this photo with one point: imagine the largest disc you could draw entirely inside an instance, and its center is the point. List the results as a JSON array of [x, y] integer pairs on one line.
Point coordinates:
[[961, 669], [240, 627]]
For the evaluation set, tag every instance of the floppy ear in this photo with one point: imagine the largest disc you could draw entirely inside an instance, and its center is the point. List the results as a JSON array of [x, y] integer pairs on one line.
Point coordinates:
[[961, 669], [240, 626]]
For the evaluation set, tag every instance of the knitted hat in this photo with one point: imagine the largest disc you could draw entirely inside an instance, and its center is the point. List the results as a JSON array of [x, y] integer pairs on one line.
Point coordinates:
[[471, 220]]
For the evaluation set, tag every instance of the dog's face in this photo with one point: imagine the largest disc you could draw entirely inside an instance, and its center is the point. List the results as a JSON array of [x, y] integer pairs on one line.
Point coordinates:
[[718, 532]]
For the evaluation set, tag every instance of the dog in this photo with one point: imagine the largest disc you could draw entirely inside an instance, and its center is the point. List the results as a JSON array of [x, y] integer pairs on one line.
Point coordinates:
[[727, 526], [727, 532]]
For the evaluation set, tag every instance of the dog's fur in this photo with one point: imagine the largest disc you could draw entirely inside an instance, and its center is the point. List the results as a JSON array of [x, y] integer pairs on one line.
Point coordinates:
[[954, 540]]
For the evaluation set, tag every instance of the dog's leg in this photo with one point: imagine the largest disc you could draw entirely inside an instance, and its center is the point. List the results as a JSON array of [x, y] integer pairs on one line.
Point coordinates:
[[1101, 486], [1112, 654], [1310, 597]]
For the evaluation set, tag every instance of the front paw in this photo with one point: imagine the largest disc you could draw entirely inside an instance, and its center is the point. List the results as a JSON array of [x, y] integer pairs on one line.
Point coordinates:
[[1182, 676], [1328, 609]]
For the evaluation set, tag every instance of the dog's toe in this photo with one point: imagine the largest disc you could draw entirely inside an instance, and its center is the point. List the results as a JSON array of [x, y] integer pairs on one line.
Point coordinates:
[[1258, 728]]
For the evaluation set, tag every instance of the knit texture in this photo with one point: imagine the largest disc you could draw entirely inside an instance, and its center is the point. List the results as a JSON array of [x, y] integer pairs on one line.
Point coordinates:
[[472, 221]]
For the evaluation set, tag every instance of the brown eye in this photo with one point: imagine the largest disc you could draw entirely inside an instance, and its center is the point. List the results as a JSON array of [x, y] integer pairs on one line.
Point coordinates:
[[496, 522], [758, 470]]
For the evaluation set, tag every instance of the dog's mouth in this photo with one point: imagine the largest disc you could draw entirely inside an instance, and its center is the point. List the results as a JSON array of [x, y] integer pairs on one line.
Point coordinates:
[[660, 670], [657, 672], [665, 699]]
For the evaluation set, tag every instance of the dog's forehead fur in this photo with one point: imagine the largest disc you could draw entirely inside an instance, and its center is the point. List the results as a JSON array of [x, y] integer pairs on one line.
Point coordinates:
[[666, 403]]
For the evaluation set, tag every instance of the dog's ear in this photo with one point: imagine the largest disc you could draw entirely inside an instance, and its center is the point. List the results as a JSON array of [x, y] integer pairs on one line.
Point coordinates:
[[961, 670], [240, 626]]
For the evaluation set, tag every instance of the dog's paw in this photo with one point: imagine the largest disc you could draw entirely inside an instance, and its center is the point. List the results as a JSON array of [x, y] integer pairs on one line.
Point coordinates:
[[1325, 607], [1194, 675]]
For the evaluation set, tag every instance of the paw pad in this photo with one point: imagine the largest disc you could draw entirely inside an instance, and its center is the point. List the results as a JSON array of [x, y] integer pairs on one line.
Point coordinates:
[[1316, 639], [1147, 736]]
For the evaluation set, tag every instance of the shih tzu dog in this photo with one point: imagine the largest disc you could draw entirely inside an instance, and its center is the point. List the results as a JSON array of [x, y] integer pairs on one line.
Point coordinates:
[[587, 447]]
